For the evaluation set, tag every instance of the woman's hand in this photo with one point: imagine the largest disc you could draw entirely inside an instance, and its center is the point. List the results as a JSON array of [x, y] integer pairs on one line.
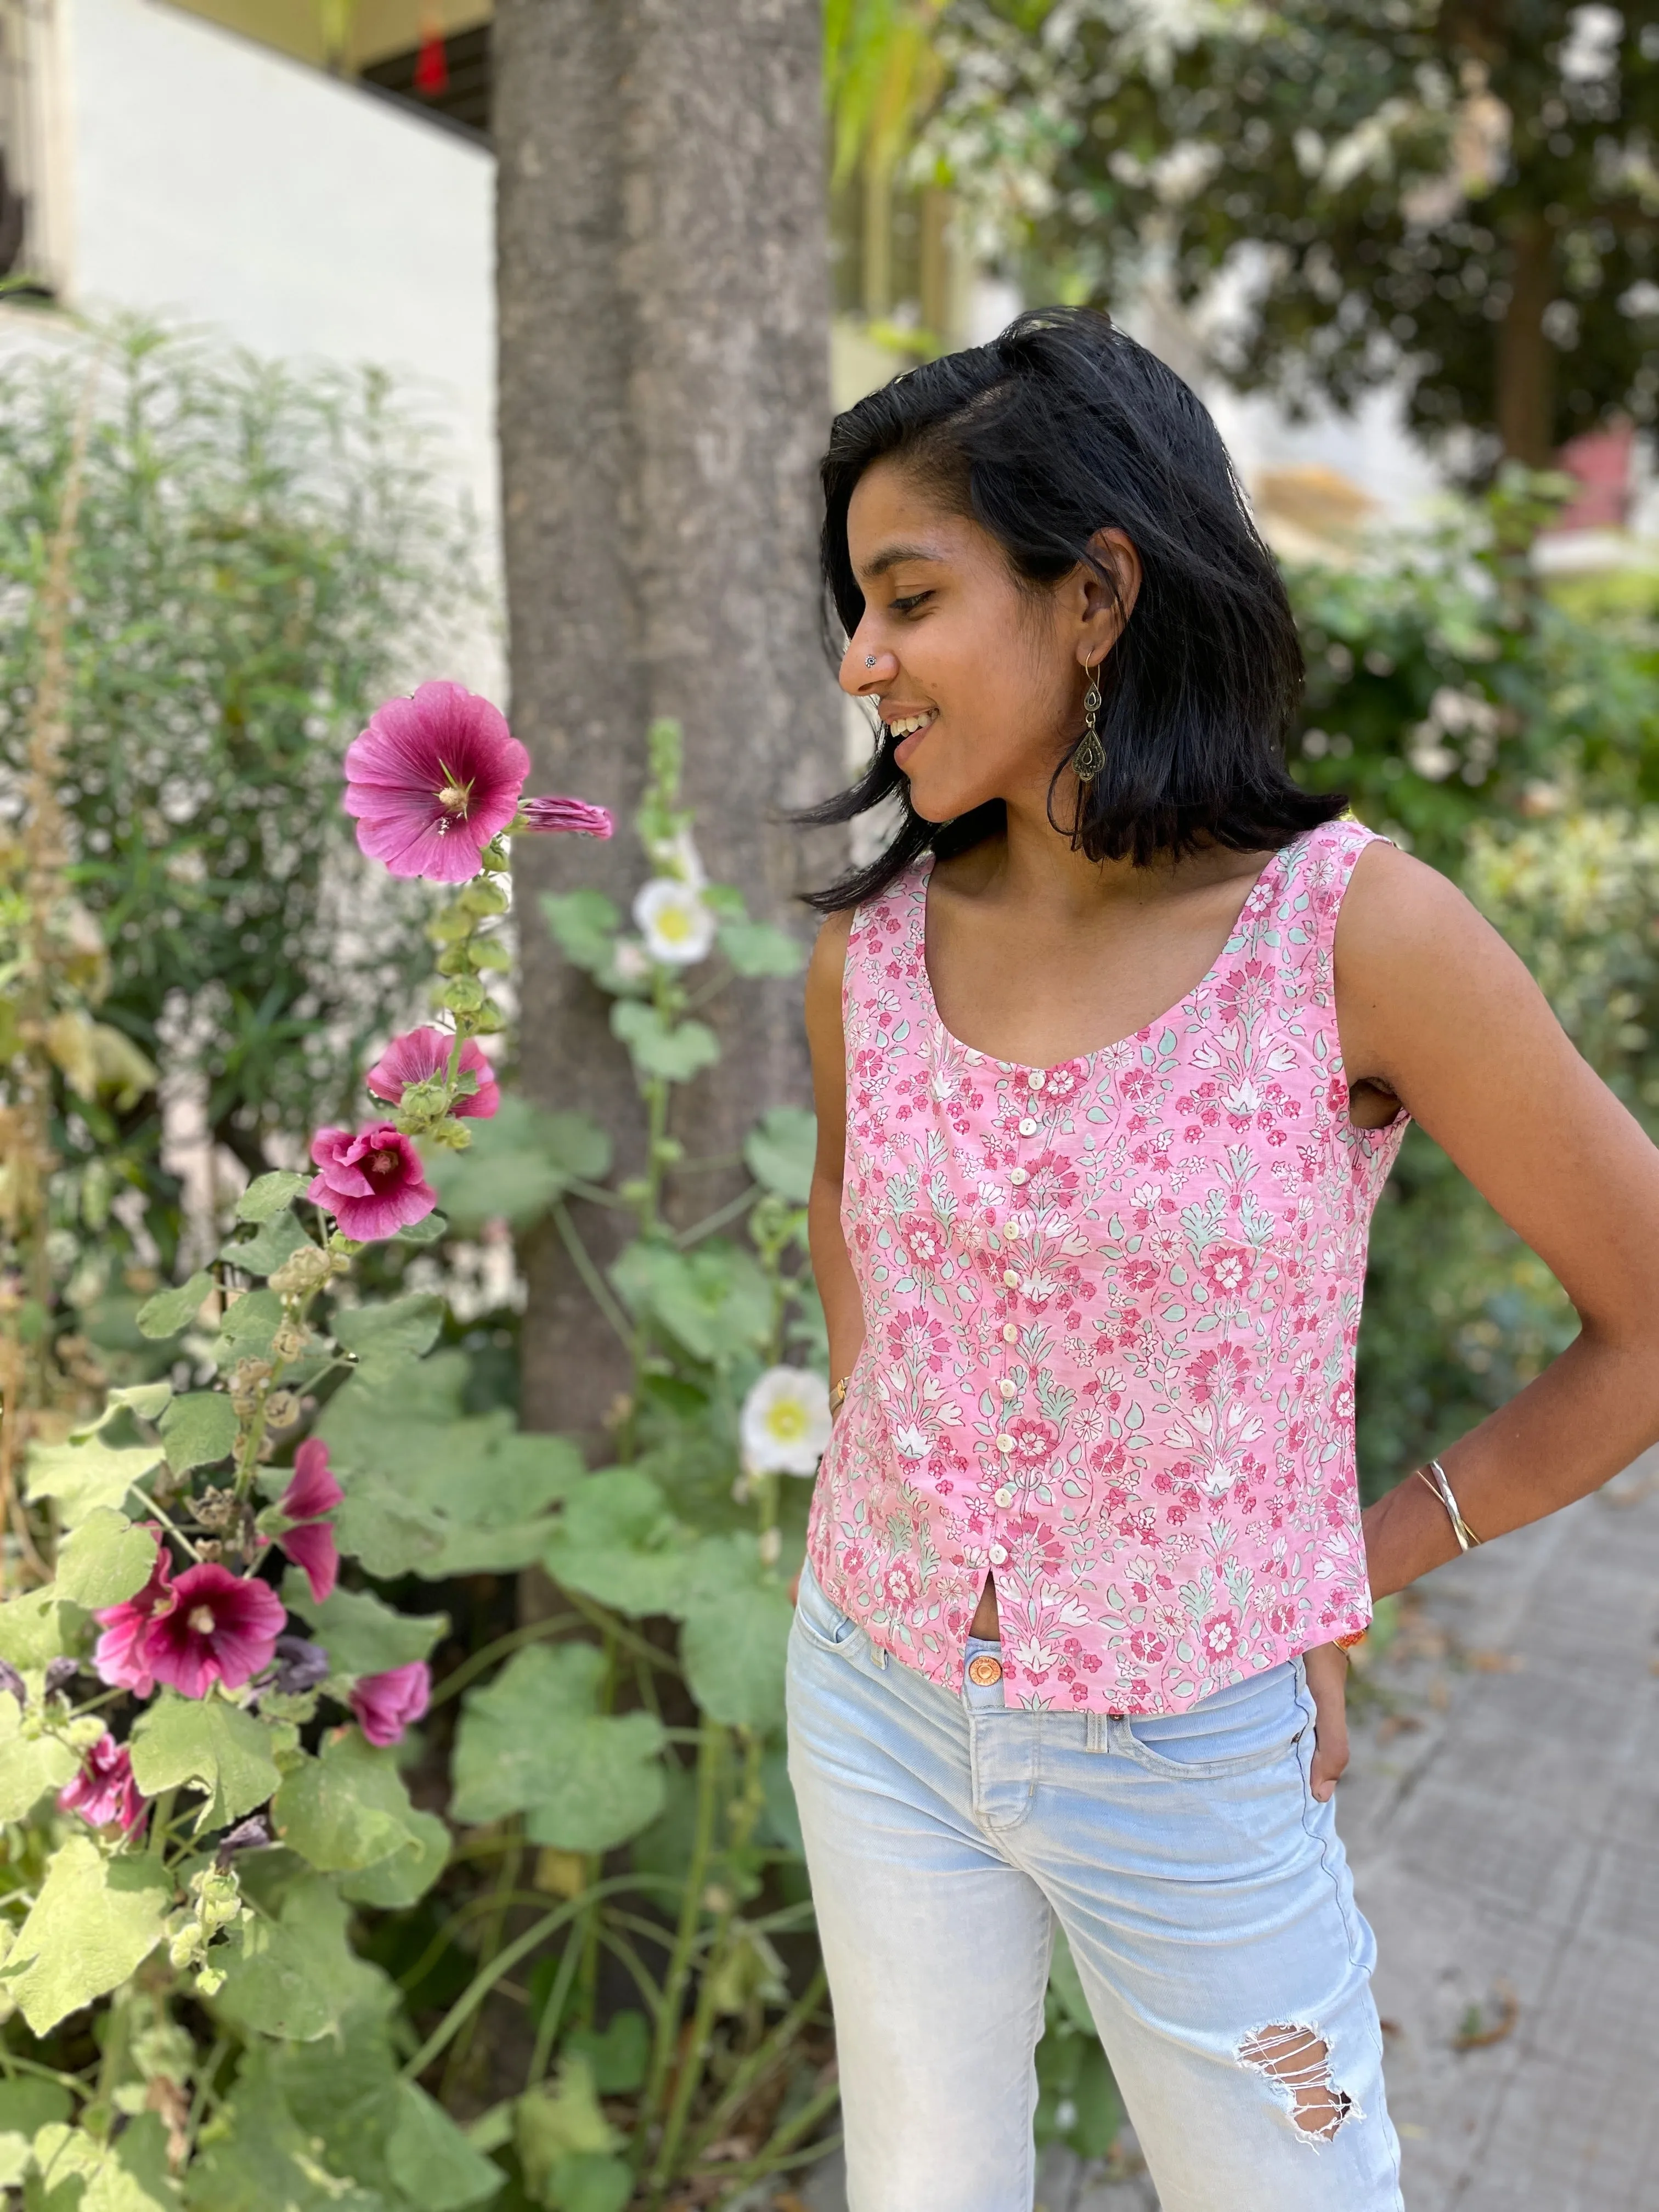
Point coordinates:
[[1327, 1679]]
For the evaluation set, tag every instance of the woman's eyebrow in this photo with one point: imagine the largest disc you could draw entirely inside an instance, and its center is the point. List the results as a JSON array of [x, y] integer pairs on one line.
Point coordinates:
[[892, 557]]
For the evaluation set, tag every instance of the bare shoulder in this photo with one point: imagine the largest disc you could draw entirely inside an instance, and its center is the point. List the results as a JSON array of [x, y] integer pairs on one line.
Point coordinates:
[[825, 969]]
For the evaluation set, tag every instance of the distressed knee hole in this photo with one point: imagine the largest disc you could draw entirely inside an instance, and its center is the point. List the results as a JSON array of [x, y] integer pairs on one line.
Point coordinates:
[[1298, 2063]]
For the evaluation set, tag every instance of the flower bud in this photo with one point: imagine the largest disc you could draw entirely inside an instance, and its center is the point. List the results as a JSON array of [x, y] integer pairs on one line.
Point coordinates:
[[282, 1409], [307, 1269]]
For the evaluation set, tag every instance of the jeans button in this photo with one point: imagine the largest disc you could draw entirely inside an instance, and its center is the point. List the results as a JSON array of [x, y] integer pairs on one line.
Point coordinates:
[[984, 1671]]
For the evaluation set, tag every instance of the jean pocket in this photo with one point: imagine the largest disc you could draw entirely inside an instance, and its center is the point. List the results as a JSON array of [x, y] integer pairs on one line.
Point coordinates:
[[818, 1621], [1243, 1736]]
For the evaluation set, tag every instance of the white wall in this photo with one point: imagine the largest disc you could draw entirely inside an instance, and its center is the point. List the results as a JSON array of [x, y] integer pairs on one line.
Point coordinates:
[[211, 179]]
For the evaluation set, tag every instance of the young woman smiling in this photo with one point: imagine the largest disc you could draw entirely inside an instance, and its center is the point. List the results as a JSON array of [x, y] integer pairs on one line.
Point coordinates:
[[1113, 1047]]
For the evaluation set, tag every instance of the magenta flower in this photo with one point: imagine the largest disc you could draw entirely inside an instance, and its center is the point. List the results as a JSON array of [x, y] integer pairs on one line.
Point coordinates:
[[312, 1494], [372, 1183], [544, 815], [423, 1054], [432, 780], [119, 1657], [220, 1628], [104, 1790], [385, 1704]]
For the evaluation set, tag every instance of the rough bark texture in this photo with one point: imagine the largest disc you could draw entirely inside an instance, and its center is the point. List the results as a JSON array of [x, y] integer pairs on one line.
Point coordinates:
[[1526, 359], [664, 397]]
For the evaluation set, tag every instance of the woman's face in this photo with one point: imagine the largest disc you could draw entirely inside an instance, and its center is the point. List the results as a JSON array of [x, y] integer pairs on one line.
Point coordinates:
[[991, 675]]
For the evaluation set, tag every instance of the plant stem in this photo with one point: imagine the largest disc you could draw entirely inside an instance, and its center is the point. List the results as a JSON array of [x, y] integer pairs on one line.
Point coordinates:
[[598, 1288], [761, 2060], [471, 1668], [710, 1752], [547, 2028]]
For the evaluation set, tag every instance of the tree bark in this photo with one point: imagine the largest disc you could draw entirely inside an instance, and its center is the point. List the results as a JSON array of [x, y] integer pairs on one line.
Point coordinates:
[[1526, 359], [664, 304]]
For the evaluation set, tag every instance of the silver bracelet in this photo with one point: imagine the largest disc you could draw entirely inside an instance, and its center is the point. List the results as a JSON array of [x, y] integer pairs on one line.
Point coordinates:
[[1435, 1476]]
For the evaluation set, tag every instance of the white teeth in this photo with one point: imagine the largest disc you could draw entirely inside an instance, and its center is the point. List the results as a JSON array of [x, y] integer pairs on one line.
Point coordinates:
[[913, 722]]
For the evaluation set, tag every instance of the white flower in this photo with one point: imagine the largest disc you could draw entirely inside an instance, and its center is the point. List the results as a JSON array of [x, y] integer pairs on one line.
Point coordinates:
[[677, 926], [785, 1422]]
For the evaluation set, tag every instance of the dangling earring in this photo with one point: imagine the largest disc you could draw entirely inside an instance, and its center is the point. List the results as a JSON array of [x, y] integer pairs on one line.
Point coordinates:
[[1089, 757]]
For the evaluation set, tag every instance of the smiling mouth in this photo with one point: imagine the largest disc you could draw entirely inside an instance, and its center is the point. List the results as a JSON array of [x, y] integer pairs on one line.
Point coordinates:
[[906, 726]]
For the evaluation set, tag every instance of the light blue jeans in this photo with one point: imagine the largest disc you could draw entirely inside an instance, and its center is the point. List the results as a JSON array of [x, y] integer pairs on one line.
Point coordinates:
[[1203, 1889]]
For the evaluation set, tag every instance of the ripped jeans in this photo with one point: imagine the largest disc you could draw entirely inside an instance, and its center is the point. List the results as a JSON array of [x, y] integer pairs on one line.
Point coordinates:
[[1203, 1890]]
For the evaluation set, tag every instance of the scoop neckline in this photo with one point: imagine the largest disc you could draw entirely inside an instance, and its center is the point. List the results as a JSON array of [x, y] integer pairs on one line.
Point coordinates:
[[1099, 1052]]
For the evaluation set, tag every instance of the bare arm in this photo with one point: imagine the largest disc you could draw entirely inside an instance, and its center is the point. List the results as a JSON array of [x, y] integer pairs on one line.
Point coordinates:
[[1436, 1007], [843, 1308]]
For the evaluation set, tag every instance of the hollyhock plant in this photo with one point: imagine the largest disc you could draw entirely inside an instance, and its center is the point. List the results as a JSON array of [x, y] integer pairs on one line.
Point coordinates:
[[309, 1499], [432, 780], [785, 1422], [220, 1628], [372, 1182], [120, 1654], [679, 929], [104, 1790], [419, 1055], [385, 1704]]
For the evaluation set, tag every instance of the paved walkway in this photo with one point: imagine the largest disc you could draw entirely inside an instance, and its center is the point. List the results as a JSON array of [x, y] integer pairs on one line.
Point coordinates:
[[1502, 1814]]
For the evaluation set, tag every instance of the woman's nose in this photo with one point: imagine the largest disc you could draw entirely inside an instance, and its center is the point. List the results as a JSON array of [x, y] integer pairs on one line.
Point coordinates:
[[863, 669]]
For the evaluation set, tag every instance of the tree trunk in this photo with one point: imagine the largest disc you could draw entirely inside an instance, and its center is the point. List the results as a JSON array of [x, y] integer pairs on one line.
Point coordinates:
[[664, 301], [1526, 359]]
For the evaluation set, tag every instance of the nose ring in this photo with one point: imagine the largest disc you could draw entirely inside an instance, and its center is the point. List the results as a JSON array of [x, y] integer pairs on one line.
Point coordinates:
[[869, 659]]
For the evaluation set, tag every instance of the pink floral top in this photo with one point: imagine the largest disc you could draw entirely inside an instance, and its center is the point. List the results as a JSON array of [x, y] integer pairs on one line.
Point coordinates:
[[1110, 1310]]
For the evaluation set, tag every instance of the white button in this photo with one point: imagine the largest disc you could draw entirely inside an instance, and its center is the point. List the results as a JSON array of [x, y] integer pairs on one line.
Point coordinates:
[[1010, 1333], [1006, 1388], [1028, 1128], [1005, 1497], [1010, 1278], [1035, 1079], [998, 1555], [1018, 1176], [1004, 1443]]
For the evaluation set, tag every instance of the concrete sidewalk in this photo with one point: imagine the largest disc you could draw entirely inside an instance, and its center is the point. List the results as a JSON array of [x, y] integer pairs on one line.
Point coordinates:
[[1502, 1815]]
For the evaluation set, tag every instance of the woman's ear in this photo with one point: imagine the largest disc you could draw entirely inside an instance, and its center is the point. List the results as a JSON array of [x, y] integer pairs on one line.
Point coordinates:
[[1108, 606]]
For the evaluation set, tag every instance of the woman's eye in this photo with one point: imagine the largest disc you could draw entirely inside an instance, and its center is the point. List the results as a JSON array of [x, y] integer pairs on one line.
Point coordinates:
[[906, 605]]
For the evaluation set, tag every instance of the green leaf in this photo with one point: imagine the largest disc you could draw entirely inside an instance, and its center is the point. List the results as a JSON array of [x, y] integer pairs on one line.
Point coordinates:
[[431, 2160], [104, 1560], [760, 948], [29, 1766], [346, 1808], [268, 1195], [77, 2172], [263, 1252], [392, 1534], [250, 1324], [404, 1877], [519, 1163], [733, 1650], [198, 1429], [534, 1742], [297, 1976], [715, 1299], [675, 1051], [148, 1400], [565, 2144], [169, 1312], [84, 1477], [1067, 1984], [94, 1922], [209, 1744], [360, 1635], [255, 2157], [584, 925], [617, 1541], [431, 1229], [26, 2107], [619, 2056], [384, 1336], [780, 1150]]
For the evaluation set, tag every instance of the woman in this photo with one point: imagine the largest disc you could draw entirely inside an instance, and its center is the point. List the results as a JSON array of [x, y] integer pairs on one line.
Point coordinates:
[[1113, 1047]]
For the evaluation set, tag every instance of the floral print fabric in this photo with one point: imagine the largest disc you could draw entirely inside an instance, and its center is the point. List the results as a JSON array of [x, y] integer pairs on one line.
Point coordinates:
[[1110, 1312]]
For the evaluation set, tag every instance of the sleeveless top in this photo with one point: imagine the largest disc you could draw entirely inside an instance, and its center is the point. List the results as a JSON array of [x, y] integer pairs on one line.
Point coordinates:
[[1110, 1312]]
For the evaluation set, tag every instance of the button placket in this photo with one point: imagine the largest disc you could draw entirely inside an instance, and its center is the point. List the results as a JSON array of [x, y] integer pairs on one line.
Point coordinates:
[[1029, 1125]]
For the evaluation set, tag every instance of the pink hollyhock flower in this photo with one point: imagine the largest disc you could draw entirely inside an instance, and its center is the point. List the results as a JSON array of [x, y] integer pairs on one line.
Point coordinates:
[[220, 1628], [423, 1054], [385, 1704], [312, 1494], [372, 1183], [543, 815], [104, 1790], [432, 780], [119, 1657]]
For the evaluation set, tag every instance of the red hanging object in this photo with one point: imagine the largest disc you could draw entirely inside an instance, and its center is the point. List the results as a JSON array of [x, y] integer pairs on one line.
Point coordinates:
[[432, 62]]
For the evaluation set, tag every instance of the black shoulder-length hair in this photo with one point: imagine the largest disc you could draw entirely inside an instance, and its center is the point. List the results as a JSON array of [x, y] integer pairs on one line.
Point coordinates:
[[1059, 428]]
